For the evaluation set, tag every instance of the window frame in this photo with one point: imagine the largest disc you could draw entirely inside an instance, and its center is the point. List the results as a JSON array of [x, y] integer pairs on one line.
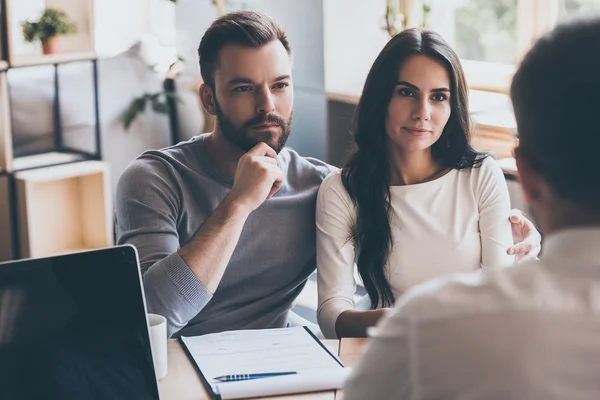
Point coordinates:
[[534, 18]]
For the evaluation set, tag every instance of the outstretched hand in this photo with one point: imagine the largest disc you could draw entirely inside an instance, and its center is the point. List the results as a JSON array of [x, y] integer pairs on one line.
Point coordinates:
[[528, 241]]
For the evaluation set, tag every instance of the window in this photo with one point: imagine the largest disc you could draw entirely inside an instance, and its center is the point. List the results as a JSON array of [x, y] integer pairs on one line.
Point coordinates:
[[574, 7], [486, 30], [161, 18], [491, 36]]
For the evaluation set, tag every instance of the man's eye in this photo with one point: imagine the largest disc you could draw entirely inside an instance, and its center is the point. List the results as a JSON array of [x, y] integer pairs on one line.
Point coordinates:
[[242, 89], [439, 97], [281, 85], [405, 92]]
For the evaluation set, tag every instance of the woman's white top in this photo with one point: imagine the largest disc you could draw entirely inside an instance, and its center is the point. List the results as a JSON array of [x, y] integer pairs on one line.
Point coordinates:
[[456, 223]]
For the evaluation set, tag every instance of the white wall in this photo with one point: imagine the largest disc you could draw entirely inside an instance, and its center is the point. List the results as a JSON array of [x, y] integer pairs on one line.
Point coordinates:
[[193, 18], [353, 38], [120, 23]]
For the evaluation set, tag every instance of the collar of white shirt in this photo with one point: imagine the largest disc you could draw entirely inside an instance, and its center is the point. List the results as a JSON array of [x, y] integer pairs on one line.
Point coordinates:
[[573, 250]]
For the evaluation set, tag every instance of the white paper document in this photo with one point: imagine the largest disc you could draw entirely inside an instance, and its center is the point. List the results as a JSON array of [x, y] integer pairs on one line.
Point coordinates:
[[265, 351], [304, 382]]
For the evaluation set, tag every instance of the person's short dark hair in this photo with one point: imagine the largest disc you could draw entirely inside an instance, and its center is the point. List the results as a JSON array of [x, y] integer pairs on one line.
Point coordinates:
[[245, 28], [556, 100]]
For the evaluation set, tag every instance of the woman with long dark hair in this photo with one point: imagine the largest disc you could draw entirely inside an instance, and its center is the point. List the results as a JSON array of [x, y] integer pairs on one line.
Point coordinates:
[[415, 200]]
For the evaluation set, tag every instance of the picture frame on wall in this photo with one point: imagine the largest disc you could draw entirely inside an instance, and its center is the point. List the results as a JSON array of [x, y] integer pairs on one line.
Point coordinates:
[[47, 31]]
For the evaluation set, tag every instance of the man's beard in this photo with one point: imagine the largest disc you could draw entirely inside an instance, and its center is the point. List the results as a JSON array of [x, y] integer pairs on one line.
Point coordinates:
[[242, 138]]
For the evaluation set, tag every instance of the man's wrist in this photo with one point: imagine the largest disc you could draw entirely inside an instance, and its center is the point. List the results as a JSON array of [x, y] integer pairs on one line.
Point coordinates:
[[234, 208]]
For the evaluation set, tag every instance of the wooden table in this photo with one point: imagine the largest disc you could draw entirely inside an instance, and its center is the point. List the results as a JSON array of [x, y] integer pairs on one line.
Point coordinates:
[[182, 381]]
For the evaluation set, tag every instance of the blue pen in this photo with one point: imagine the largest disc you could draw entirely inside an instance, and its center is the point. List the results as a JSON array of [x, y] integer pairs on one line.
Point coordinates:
[[247, 377]]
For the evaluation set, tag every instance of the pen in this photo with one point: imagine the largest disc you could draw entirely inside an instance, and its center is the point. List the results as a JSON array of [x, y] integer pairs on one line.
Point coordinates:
[[247, 377]]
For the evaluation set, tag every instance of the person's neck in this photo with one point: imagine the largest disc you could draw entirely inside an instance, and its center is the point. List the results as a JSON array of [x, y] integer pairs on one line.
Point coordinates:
[[570, 216], [409, 168], [224, 154]]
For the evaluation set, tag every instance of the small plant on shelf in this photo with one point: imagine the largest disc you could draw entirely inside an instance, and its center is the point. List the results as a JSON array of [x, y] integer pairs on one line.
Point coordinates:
[[52, 24]]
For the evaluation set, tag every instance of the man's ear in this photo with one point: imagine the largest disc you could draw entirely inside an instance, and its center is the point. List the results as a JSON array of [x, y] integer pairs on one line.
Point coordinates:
[[532, 183], [207, 97]]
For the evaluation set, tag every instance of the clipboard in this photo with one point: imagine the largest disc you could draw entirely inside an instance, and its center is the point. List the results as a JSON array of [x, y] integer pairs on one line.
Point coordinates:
[[318, 370]]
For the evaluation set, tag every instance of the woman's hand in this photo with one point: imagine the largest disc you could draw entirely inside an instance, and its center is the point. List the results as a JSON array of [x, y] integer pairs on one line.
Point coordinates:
[[528, 241]]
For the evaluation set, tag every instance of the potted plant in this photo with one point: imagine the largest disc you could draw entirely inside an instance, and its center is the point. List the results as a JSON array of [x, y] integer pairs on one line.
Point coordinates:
[[52, 24]]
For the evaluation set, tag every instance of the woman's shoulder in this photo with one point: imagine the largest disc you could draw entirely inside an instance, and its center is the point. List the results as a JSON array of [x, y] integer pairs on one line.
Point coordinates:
[[333, 190], [483, 179], [484, 169], [333, 181], [490, 169], [489, 163], [487, 181]]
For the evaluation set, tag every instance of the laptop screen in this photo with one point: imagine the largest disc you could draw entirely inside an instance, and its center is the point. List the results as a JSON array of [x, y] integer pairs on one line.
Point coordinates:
[[75, 327]]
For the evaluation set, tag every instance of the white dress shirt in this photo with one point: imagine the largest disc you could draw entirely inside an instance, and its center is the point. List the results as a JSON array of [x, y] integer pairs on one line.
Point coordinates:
[[456, 223], [531, 331]]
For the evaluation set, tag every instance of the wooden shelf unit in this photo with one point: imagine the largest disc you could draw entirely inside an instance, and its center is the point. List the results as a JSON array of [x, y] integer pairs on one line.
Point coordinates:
[[54, 202], [63, 58], [81, 12], [64, 208]]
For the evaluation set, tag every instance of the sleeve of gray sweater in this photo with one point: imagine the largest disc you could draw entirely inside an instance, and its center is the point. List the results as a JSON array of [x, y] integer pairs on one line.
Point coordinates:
[[147, 208]]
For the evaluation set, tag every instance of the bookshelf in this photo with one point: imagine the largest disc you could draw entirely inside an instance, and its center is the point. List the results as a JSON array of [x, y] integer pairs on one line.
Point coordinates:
[[75, 46], [57, 201], [16, 53], [35, 60], [60, 152], [64, 208]]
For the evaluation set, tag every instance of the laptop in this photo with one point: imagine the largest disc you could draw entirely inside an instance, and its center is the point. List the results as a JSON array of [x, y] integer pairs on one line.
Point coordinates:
[[75, 327]]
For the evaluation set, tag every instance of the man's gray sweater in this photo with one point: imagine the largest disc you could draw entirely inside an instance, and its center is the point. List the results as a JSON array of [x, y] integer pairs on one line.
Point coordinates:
[[164, 196]]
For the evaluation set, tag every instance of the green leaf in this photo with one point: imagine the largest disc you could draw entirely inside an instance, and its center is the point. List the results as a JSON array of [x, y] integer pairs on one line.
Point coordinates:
[[136, 107], [52, 22], [160, 106]]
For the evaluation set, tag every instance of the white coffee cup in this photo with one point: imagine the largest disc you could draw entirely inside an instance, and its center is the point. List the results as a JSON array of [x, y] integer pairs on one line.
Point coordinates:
[[158, 342]]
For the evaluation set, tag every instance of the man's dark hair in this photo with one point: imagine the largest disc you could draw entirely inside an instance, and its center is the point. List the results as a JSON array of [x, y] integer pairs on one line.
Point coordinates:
[[556, 99], [246, 28]]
